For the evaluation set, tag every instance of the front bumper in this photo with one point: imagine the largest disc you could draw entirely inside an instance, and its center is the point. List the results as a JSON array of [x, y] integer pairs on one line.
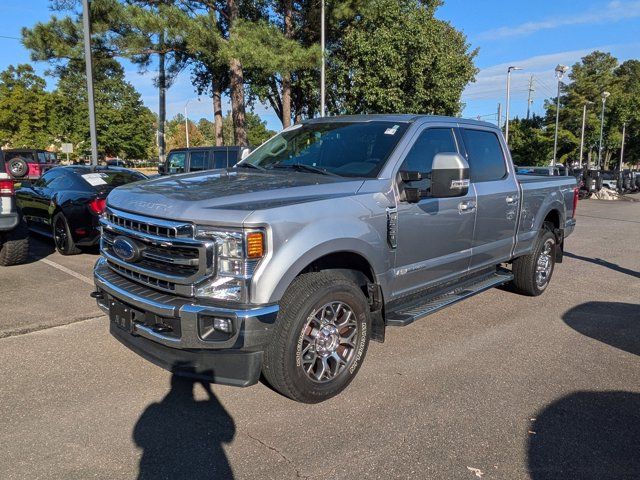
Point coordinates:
[[231, 359]]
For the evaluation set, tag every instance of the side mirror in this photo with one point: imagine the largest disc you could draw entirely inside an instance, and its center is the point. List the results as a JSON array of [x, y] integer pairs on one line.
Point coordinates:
[[449, 176], [162, 168], [245, 153]]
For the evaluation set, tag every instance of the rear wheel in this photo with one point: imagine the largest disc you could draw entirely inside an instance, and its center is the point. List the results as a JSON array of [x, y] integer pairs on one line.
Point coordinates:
[[14, 246], [532, 272], [320, 338], [62, 236]]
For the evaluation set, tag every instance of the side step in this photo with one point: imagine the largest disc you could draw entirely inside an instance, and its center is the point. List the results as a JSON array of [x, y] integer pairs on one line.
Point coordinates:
[[408, 314]]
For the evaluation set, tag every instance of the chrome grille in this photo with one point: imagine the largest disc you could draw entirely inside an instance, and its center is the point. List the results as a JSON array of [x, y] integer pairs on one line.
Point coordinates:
[[170, 259]]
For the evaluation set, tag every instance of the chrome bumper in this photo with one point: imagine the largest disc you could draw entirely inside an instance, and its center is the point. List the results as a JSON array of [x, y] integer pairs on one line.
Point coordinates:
[[251, 327]]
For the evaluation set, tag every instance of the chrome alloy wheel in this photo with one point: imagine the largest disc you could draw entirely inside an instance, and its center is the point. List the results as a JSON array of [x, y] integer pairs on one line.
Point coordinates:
[[544, 265], [328, 342]]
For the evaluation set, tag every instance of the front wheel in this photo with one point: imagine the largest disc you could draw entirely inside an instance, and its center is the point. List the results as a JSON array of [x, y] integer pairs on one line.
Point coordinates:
[[320, 338], [532, 272]]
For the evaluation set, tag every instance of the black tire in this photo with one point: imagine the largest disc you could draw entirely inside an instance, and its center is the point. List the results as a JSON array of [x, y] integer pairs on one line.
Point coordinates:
[[291, 359], [62, 236], [18, 167], [14, 246], [532, 273]]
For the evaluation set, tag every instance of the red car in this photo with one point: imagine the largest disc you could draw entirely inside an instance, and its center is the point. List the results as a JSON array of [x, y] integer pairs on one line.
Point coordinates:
[[28, 163]]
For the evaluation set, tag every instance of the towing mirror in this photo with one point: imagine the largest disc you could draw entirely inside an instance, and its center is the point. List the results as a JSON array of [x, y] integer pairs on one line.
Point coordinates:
[[449, 176]]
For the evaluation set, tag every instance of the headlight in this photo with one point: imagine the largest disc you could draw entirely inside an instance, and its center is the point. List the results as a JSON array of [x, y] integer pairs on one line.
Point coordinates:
[[238, 253]]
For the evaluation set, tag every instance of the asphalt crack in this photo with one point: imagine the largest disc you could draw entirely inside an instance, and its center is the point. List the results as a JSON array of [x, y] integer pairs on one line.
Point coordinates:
[[282, 455]]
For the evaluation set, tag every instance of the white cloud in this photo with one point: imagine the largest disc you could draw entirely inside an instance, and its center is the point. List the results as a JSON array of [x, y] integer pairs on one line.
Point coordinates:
[[611, 12]]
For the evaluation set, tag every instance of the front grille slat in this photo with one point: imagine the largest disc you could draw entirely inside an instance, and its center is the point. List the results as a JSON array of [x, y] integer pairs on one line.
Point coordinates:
[[170, 259]]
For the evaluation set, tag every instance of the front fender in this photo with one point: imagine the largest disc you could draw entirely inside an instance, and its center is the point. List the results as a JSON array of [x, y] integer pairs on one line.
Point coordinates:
[[312, 242]]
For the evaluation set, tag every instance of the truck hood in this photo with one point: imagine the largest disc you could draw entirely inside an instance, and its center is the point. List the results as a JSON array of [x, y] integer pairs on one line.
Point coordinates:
[[226, 196]]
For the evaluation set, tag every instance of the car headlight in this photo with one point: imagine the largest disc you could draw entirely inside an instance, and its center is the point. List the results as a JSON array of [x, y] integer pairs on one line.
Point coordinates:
[[238, 253]]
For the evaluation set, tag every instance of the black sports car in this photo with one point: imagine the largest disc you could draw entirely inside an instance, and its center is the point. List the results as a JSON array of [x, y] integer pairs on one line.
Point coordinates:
[[66, 202]]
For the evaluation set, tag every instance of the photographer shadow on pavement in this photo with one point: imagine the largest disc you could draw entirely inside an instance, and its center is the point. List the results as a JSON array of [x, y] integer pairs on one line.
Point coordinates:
[[182, 438], [616, 324]]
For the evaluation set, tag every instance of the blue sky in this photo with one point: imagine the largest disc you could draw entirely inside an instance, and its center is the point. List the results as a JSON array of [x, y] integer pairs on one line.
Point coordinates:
[[533, 35]]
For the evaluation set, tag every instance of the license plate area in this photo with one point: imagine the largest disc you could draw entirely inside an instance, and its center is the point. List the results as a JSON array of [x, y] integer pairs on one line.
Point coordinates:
[[123, 316]]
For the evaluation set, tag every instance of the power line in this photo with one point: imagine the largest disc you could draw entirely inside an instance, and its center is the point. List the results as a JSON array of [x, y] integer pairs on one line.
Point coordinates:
[[10, 38]]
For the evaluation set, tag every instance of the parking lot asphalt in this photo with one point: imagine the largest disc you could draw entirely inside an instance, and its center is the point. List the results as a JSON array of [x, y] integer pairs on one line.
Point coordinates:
[[499, 386]]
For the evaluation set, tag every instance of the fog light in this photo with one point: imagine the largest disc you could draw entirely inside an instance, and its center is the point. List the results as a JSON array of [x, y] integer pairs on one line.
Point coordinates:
[[222, 325]]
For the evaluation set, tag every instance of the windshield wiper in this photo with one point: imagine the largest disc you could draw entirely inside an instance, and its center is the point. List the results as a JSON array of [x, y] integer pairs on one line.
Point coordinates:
[[301, 167], [249, 165]]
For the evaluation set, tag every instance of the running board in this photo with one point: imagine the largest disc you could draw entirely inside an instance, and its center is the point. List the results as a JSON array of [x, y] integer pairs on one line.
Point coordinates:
[[417, 310]]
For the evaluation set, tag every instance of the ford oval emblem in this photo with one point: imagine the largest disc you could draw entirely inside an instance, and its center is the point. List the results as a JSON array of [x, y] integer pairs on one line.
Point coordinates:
[[127, 249]]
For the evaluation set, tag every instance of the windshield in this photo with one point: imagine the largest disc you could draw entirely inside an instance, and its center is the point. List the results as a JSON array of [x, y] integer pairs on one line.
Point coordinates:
[[357, 149]]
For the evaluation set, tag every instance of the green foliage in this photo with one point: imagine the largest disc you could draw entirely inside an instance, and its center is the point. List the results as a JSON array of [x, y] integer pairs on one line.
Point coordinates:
[[396, 57], [124, 125], [24, 109], [529, 143]]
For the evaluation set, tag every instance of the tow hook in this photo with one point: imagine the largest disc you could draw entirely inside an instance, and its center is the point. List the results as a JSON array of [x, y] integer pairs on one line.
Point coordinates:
[[97, 295]]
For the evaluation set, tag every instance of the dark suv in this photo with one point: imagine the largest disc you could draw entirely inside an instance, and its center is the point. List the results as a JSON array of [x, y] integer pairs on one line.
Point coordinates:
[[28, 163], [14, 236], [195, 159]]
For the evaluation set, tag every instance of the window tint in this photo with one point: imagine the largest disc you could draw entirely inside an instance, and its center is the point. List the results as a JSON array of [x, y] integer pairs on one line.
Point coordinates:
[[175, 162], [430, 142], [221, 158], [198, 161], [486, 160], [28, 157]]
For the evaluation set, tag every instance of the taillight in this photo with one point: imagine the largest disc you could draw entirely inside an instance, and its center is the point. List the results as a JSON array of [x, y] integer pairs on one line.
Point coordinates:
[[98, 205], [575, 201], [6, 188]]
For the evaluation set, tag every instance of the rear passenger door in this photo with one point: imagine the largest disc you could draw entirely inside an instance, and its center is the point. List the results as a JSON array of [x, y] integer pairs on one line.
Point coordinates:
[[198, 161], [497, 196]]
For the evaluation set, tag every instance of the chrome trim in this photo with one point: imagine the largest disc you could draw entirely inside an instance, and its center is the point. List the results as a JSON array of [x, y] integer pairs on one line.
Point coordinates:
[[179, 229], [187, 313]]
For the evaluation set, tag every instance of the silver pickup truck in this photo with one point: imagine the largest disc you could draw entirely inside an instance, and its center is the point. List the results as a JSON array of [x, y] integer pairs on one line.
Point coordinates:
[[333, 230]]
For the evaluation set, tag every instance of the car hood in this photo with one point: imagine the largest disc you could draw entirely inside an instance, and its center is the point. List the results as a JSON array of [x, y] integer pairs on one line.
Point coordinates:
[[226, 196]]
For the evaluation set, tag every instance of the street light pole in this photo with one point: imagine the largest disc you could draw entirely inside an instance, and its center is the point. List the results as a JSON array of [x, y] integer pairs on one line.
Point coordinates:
[[605, 95], [186, 122], [584, 120], [506, 124], [560, 71], [624, 130], [322, 67], [86, 25]]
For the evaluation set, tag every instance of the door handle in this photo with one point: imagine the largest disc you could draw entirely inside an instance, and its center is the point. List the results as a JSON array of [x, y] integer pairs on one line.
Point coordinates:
[[511, 200], [466, 207]]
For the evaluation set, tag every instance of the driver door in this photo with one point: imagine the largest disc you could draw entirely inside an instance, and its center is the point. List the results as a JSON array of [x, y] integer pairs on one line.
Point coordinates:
[[434, 235]]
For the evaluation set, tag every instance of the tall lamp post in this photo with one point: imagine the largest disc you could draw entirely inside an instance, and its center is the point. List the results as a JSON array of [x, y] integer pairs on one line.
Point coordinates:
[[506, 124], [584, 120], [624, 131], [560, 71], [605, 95], [322, 67], [86, 25], [186, 122]]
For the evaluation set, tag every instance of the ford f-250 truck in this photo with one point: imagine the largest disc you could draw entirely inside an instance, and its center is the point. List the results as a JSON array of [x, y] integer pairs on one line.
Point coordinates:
[[330, 232]]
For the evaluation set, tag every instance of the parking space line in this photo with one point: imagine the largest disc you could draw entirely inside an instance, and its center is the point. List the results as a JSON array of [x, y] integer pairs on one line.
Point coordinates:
[[79, 276]]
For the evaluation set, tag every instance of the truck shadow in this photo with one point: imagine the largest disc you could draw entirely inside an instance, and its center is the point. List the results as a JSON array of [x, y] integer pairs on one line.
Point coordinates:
[[587, 435], [604, 263], [182, 437], [613, 323]]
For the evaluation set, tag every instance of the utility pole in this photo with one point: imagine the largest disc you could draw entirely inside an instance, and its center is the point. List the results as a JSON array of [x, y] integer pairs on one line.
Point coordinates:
[[322, 68], [624, 129], [530, 99], [499, 115], [186, 122], [88, 60]]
